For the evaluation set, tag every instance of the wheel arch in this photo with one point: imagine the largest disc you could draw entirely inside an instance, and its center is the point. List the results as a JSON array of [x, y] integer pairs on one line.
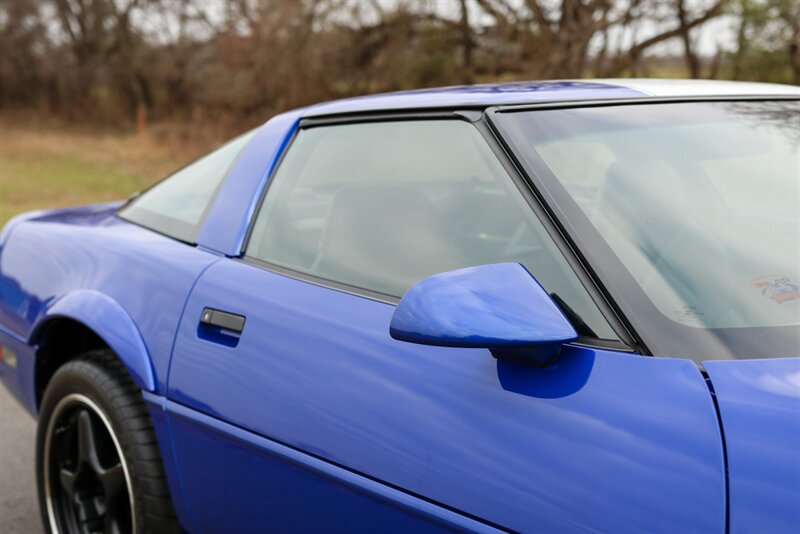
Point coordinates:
[[84, 320]]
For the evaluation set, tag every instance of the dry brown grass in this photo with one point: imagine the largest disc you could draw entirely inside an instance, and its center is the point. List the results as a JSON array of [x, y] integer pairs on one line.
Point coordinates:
[[47, 165]]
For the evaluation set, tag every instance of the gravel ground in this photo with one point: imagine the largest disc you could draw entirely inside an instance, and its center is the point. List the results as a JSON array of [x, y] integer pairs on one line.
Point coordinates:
[[19, 511]]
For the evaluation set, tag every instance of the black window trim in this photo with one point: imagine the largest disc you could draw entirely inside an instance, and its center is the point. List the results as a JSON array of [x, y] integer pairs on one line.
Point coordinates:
[[308, 123], [555, 230], [319, 280], [313, 122], [548, 200], [193, 232], [186, 234], [634, 101], [477, 117]]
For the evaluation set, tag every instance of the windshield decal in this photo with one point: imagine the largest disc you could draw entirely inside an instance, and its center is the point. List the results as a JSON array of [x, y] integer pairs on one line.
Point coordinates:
[[778, 288]]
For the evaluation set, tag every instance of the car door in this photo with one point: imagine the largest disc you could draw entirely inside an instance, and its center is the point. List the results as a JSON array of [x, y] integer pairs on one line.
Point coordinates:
[[291, 407]]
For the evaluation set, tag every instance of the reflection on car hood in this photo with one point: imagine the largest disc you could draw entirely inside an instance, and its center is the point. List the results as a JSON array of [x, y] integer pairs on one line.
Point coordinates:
[[759, 404]]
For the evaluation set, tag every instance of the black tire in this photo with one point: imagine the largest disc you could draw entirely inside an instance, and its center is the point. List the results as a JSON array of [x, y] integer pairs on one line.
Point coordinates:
[[98, 466]]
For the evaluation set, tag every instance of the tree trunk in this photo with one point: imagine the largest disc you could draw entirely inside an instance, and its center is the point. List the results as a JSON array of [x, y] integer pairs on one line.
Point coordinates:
[[742, 43], [793, 18], [467, 44], [692, 62]]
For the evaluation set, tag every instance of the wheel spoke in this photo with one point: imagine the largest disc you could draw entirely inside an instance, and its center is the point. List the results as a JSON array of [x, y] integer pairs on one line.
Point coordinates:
[[67, 479], [87, 442], [112, 525], [88, 509], [113, 480]]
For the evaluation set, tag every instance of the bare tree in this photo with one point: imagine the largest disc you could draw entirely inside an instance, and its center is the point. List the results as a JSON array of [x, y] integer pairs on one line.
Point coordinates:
[[245, 58]]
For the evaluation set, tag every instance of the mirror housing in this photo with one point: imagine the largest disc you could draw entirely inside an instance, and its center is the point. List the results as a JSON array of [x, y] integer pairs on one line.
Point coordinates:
[[500, 307]]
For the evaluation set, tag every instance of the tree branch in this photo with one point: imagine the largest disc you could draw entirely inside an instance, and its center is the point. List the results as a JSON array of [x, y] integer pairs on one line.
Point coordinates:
[[625, 60]]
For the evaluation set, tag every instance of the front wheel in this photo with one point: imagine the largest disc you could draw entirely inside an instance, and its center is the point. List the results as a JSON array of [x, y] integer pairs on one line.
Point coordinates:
[[98, 463]]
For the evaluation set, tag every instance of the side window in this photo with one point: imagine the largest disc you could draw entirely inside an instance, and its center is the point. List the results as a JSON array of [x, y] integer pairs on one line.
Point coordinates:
[[175, 206], [380, 206]]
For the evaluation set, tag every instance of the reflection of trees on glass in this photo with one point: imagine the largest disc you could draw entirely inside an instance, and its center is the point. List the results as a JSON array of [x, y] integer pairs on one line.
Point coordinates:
[[784, 114]]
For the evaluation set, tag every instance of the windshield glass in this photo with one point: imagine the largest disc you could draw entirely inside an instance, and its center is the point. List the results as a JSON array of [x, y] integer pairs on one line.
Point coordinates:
[[699, 203]]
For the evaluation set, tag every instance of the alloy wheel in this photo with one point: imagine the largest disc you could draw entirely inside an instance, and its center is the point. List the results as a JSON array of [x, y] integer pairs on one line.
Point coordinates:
[[86, 480]]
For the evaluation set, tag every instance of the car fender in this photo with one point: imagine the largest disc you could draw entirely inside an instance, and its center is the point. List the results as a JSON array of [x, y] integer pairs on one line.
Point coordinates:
[[15, 221], [111, 323]]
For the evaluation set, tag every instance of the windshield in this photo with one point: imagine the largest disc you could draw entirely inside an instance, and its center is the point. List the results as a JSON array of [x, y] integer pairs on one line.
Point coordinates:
[[699, 205]]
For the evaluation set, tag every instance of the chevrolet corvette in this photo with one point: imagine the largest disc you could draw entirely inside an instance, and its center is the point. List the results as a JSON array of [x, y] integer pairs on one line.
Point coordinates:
[[565, 306]]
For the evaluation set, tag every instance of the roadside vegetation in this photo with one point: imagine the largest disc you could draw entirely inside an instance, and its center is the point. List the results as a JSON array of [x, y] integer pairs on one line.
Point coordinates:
[[51, 165], [136, 62], [179, 76]]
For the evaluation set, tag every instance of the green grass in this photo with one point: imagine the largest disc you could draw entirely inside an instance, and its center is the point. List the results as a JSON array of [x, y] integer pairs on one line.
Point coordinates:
[[56, 181], [45, 168]]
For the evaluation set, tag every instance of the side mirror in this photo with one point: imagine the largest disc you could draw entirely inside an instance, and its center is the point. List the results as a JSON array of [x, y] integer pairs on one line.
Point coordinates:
[[499, 307]]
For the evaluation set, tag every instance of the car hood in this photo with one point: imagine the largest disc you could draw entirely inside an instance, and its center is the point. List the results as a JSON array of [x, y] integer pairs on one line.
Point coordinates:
[[759, 407]]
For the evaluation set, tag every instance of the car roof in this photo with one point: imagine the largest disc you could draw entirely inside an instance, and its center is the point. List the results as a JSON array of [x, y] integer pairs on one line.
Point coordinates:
[[485, 95]]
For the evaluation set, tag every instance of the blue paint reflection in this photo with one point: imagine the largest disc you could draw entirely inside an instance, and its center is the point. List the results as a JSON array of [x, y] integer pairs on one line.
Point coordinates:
[[489, 306], [597, 440], [566, 376], [89, 248]]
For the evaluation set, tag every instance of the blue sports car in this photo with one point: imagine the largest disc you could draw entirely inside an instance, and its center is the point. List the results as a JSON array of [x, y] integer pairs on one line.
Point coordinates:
[[534, 307]]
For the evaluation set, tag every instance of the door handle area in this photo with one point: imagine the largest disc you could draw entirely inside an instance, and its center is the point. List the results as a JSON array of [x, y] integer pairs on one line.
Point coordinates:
[[228, 322]]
